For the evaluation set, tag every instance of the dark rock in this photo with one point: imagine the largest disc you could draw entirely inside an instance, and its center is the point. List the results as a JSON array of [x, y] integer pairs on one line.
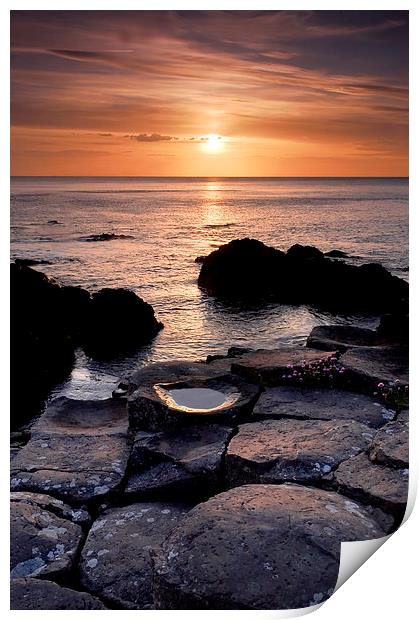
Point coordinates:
[[199, 259], [341, 337], [373, 484], [42, 544], [394, 327], [336, 254], [115, 561], [268, 366], [105, 237], [151, 407], [54, 222], [118, 320], [391, 445], [320, 404], [368, 366], [275, 451], [248, 269], [54, 505], [32, 594], [78, 451], [258, 547], [30, 262], [186, 461]]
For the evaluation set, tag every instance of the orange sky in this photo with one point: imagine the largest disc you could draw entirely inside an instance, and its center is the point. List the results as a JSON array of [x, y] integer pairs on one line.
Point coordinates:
[[210, 93]]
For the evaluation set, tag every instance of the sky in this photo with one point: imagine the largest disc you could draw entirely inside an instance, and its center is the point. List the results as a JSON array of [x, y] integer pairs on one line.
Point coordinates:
[[209, 93]]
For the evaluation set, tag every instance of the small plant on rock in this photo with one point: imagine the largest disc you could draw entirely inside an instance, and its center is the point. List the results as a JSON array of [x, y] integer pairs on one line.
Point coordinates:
[[394, 394], [324, 373]]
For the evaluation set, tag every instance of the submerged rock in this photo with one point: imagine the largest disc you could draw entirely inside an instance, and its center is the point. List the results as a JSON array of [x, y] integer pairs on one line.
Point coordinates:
[[104, 237], [341, 337], [258, 547], [368, 366], [247, 268], [320, 404], [78, 451], [42, 544], [32, 594], [115, 561], [275, 451]]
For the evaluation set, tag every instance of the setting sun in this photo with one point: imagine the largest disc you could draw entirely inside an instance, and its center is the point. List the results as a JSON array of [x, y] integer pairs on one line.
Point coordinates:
[[212, 143]]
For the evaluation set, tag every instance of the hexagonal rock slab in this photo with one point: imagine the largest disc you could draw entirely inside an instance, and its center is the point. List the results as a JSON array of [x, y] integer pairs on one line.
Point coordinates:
[[275, 451], [115, 561], [373, 484], [56, 506], [391, 444], [368, 366], [320, 404], [268, 366], [42, 594], [78, 451], [341, 337], [151, 408], [259, 547], [42, 544], [192, 455]]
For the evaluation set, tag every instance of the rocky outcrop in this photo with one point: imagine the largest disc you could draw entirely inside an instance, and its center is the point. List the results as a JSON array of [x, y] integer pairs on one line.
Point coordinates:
[[151, 407], [115, 561], [30, 594], [42, 544], [259, 547], [275, 451], [48, 321], [320, 404], [78, 451], [368, 366], [246, 268], [182, 463], [341, 337]]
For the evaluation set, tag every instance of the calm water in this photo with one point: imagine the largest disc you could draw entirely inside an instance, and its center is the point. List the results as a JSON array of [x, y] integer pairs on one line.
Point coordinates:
[[171, 221]]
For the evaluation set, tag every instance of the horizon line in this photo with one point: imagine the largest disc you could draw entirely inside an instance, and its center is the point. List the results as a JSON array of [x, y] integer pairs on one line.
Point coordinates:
[[155, 176]]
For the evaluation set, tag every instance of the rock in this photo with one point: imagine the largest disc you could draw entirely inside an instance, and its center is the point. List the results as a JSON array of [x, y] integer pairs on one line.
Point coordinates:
[[258, 547], [336, 254], [391, 445], [320, 404], [151, 406], [275, 451], [118, 320], [268, 366], [77, 515], [105, 237], [115, 561], [248, 269], [31, 262], [187, 461], [78, 451], [42, 544], [394, 327], [366, 366], [42, 594], [199, 259], [373, 484], [341, 337]]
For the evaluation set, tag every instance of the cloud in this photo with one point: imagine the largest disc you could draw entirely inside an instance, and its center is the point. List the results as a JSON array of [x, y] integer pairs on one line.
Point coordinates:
[[151, 137]]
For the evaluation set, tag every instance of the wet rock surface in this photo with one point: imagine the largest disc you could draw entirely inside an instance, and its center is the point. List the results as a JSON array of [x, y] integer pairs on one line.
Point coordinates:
[[274, 451], [42, 544], [372, 483], [320, 404], [115, 561], [391, 444], [78, 451], [341, 337], [368, 366], [259, 547], [42, 594], [150, 410]]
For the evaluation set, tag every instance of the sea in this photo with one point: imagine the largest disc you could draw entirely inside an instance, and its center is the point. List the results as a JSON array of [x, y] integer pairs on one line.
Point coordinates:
[[160, 225]]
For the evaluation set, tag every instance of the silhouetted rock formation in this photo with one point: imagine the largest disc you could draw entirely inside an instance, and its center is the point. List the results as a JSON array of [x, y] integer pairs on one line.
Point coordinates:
[[248, 269]]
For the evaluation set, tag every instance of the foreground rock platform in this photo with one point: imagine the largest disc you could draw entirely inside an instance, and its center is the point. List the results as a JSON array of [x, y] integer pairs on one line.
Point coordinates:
[[274, 451], [341, 337], [115, 561], [320, 404], [150, 407], [188, 460], [30, 594], [42, 544], [368, 366], [78, 451], [259, 547]]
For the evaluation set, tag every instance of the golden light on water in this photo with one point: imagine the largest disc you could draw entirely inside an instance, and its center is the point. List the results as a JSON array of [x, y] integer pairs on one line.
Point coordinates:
[[213, 143]]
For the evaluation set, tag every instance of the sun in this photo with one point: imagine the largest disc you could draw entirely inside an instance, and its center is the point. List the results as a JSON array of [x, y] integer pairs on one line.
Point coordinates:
[[212, 143]]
